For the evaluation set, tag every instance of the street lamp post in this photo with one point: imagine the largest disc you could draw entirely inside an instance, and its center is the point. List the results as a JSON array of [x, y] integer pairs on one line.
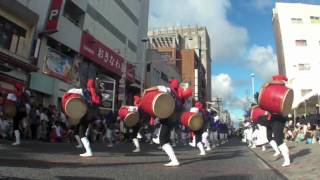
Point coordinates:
[[144, 40], [252, 84]]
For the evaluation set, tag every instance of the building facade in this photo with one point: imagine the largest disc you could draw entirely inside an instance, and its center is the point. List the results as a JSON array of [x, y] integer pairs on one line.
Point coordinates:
[[192, 38], [17, 28], [78, 39], [296, 28], [158, 70]]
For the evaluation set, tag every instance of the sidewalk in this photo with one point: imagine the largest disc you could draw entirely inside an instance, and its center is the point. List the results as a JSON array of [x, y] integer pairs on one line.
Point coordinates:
[[305, 160]]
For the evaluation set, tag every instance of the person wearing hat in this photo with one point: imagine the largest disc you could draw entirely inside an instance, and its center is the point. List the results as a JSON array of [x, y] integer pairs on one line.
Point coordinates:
[[167, 124], [93, 100]]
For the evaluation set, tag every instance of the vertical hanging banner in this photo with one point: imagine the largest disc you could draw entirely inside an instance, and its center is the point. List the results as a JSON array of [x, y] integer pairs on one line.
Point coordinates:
[[130, 72], [53, 16]]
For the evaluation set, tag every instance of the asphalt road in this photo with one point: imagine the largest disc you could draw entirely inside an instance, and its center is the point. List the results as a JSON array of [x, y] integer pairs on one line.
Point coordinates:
[[38, 160]]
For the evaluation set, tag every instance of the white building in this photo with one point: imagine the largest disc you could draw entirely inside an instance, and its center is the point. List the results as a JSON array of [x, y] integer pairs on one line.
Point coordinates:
[[297, 31], [89, 38]]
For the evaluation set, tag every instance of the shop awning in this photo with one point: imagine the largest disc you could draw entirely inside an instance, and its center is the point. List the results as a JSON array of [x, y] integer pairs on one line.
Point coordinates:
[[304, 98]]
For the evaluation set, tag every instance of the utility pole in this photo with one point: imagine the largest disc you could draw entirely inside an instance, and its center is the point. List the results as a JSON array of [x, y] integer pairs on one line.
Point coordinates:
[[144, 40]]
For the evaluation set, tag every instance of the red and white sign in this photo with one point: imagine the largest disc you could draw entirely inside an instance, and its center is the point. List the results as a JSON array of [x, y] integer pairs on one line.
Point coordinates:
[[100, 54], [53, 16]]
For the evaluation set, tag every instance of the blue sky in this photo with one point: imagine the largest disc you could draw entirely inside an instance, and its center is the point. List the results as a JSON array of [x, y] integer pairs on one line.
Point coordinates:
[[242, 41]]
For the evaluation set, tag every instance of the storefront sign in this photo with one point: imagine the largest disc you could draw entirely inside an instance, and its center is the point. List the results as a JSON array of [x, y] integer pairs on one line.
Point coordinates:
[[100, 54], [58, 65], [53, 16]]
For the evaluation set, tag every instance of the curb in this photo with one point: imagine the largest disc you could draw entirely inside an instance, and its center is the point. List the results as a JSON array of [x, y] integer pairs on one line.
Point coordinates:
[[270, 166]]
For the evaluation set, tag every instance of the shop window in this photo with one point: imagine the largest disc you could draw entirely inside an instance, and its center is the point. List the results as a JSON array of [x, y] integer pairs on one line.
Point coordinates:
[[61, 48], [73, 13], [12, 36]]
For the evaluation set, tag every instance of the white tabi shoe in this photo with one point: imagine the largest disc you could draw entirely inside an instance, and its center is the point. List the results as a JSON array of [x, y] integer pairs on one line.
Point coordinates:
[[156, 140], [285, 153], [174, 161], [208, 148], [78, 141], [274, 146], [136, 144], [87, 147], [17, 136], [201, 148]]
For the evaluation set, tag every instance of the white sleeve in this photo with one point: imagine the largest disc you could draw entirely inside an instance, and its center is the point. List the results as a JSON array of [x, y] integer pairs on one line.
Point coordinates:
[[76, 91], [162, 89], [194, 109]]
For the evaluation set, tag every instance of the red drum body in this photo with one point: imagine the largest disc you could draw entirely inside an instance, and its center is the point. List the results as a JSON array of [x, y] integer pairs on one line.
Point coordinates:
[[157, 104], [256, 112], [9, 109], [74, 106], [192, 120], [129, 118], [276, 98]]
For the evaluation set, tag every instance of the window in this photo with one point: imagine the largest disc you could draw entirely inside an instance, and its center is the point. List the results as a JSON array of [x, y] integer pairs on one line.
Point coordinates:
[[12, 36], [301, 42], [73, 13], [156, 74], [148, 67], [304, 67], [305, 91], [296, 20], [315, 19], [164, 77], [166, 55]]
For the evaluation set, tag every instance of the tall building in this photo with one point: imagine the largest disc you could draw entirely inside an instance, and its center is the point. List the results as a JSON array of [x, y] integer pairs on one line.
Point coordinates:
[[79, 39], [158, 70], [297, 33], [192, 38]]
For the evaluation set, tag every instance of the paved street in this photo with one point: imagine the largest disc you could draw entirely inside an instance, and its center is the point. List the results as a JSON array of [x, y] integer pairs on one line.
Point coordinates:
[[37, 160], [304, 161]]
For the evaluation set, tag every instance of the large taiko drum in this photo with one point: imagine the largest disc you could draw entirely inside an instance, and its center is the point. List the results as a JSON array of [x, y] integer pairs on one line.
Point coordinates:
[[157, 104], [74, 106], [128, 116], [276, 98], [192, 120], [256, 112], [9, 109]]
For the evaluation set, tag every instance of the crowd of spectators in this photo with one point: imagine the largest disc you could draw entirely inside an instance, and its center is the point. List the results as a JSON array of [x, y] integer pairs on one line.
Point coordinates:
[[306, 129]]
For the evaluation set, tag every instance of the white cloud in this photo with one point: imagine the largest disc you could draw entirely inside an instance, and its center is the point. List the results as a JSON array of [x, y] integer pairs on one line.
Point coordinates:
[[263, 61], [223, 87], [227, 39]]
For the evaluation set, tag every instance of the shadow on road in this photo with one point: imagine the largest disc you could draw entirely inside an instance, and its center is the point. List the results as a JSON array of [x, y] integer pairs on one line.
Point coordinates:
[[300, 153]]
